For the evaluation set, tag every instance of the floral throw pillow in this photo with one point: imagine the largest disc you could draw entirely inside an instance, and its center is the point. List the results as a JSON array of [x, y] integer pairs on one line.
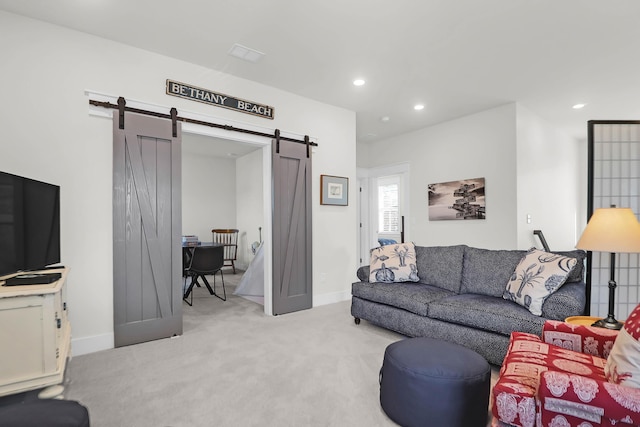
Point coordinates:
[[394, 263], [538, 275], [623, 363]]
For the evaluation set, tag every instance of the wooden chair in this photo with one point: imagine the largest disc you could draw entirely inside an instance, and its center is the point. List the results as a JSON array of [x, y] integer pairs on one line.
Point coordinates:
[[229, 238]]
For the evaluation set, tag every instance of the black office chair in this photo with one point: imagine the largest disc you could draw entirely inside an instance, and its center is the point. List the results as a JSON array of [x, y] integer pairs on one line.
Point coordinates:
[[186, 259], [205, 260]]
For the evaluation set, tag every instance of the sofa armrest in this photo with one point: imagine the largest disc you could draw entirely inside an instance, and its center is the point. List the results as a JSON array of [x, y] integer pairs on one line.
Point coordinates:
[[363, 273], [584, 339], [579, 399], [569, 300]]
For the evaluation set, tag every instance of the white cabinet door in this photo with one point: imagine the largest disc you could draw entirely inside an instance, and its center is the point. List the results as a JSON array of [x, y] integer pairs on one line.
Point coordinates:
[[34, 336]]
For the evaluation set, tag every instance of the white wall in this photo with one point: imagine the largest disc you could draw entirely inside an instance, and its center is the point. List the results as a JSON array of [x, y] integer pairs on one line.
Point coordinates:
[[529, 167], [551, 183], [363, 150], [208, 193], [222, 192], [475, 146], [49, 135], [249, 204]]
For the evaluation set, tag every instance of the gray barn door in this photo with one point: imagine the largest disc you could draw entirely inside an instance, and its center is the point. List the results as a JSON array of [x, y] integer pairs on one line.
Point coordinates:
[[292, 290], [147, 223]]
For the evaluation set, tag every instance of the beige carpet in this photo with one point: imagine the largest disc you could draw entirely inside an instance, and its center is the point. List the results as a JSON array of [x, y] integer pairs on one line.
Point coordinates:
[[234, 366]]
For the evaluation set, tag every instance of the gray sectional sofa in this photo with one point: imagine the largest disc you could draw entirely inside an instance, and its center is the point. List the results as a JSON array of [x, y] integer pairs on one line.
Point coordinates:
[[458, 298]]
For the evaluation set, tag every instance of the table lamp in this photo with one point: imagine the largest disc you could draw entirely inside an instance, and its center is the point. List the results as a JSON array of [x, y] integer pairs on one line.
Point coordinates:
[[613, 230]]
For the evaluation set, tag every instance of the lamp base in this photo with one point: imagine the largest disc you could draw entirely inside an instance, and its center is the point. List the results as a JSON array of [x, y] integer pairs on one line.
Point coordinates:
[[608, 323]]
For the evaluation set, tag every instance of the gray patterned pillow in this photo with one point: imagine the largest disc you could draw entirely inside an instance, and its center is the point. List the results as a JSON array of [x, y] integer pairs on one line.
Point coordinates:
[[538, 275], [394, 263]]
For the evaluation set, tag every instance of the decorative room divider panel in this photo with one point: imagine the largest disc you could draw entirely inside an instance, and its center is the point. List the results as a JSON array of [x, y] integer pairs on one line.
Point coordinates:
[[614, 179]]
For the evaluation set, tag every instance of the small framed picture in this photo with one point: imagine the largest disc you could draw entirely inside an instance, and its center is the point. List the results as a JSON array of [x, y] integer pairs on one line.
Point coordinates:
[[334, 190]]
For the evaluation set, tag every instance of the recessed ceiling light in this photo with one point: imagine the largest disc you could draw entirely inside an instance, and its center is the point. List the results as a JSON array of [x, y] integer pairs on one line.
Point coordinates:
[[358, 82], [578, 106], [245, 53], [385, 119], [418, 107]]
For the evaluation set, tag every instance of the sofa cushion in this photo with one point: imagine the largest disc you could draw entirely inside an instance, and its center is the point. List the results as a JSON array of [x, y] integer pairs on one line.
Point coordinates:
[[538, 275], [623, 363], [577, 274], [384, 242], [441, 266], [413, 297], [486, 271], [394, 263], [485, 312], [363, 273]]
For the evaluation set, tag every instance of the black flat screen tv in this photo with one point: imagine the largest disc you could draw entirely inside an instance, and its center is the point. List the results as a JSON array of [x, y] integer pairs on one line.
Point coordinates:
[[29, 224]]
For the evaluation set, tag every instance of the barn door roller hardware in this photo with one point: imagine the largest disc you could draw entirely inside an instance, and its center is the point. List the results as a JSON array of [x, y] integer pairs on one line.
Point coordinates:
[[121, 107]]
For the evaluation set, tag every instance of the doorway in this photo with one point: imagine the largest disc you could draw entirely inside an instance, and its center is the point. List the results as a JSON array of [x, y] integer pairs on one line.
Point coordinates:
[[383, 211], [252, 217]]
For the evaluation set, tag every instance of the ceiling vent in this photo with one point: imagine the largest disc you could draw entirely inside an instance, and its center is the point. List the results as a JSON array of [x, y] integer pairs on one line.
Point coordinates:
[[245, 53]]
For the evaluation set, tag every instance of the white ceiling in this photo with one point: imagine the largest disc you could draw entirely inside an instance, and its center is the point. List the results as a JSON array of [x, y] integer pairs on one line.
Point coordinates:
[[455, 56]]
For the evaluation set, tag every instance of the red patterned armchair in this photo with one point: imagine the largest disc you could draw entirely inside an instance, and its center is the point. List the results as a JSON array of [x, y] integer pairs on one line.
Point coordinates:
[[560, 381]]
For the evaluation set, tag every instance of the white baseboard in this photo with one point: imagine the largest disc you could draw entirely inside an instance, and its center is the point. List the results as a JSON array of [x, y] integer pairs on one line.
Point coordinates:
[[80, 346], [331, 298]]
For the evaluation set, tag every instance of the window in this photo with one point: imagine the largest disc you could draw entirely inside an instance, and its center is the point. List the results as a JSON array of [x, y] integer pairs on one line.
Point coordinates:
[[388, 210]]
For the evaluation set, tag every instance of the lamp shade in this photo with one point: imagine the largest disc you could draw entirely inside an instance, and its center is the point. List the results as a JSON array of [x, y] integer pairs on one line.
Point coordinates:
[[612, 230]]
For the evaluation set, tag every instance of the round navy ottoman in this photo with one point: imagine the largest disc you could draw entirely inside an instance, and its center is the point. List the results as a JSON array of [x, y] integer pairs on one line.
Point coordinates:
[[428, 382]]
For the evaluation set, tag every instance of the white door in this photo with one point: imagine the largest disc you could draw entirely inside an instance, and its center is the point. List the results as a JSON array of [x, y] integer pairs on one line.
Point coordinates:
[[383, 208], [389, 209]]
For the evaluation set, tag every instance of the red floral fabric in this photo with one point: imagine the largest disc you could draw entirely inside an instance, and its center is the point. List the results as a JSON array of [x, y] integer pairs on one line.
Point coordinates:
[[575, 401], [583, 339], [632, 324], [545, 383], [528, 357]]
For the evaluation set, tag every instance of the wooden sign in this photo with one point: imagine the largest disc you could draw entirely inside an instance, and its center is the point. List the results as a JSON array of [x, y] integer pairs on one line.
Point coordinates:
[[218, 99]]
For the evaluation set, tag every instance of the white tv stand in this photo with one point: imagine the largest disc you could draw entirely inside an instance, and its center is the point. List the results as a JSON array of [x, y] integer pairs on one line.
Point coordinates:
[[35, 334]]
